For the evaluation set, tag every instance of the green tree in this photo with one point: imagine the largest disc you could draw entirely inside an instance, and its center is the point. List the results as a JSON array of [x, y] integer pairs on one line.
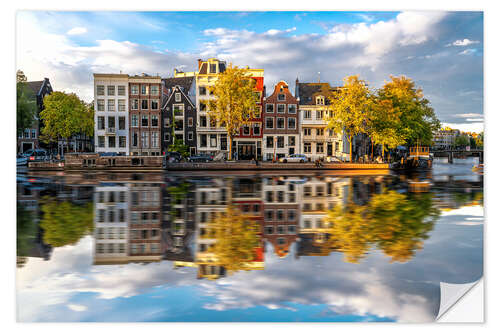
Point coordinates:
[[65, 223], [350, 107], [237, 238], [235, 102], [26, 107], [179, 147], [383, 124], [417, 121], [461, 141], [64, 116], [26, 231]]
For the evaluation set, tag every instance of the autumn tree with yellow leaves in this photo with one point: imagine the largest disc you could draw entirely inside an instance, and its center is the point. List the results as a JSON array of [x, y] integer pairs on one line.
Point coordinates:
[[236, 239], [235, 102]]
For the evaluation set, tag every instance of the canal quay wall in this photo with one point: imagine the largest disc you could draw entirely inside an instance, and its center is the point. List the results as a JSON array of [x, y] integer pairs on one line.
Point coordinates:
[[88, 162]]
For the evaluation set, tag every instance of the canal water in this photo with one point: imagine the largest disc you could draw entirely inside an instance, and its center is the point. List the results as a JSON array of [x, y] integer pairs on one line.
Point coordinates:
[[311, 246]]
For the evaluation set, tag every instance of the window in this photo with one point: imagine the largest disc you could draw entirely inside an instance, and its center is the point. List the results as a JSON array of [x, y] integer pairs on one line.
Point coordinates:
[[269, 108], [307, 114], [100, 105], [135, 104], [291, 229], [121, 105], [111, 122], [320, 191], [269, 230], [203, 106], [111, 105], [134, 139], [166, 122], [122, 141], [100, 90], [155, 90], [281, 108], [269, 142], [144, 104], [134, 90], [213, 68], [307, 132], [190, 121], [269, 214], [135, 120], [121, 90], [280, 123], [144, 121], [202, 90], [166, 137], [111, 90], [269, 196], [246, 130], [281, 97], [100, 123], [280, 230], [203, 121], [291, 215], [154, 120], [111, 141], [144, 89], [213, 140], [154, 140], [256, 129], [307, 147], [320, 131], [154, 104], [190, 136], [121, 123], [203, 140], [33, 133], [292, 108], [100, 141], [319, 115], [177, 97], [319, 147], [320, 100], [258, 112], [291, 141], [144, 139], [281, 142], [269, 122]]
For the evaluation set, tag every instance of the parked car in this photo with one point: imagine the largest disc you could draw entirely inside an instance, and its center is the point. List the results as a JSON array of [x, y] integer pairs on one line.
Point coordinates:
[[173, 156], [333, 159], [301, 158], [36, 155], [21, 160], [200, 158]]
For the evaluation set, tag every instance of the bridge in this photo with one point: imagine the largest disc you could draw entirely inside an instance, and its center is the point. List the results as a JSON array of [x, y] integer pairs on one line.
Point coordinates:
[[454, 153]]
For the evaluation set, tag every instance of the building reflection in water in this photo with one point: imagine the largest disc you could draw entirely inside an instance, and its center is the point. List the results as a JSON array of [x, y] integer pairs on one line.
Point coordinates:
[[140, 219]]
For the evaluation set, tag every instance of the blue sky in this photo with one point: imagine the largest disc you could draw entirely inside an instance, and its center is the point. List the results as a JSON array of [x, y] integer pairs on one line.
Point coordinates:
[[441, 51]]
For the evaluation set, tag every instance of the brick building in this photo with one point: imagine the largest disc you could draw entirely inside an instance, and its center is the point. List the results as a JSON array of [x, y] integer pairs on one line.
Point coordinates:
[[281, 123]]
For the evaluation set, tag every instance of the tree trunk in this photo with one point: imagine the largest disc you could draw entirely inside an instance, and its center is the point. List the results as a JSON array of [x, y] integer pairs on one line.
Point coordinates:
[[350, 148], [383, 153], [230, 147], [372, 148]]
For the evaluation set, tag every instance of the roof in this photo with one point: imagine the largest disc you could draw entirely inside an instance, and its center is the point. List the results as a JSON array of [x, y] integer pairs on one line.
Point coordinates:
[[308, 92], [35, 86], [183, 82]]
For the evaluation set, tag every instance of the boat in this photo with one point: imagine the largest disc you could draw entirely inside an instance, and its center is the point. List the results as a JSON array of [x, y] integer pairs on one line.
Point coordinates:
[[418, 157], [478, 167]]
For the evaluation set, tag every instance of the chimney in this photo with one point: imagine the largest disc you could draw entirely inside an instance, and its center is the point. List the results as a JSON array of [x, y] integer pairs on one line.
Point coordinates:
[[199, 64]]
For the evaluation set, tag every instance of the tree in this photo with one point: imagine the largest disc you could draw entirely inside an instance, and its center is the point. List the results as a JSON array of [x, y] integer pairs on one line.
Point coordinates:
[[64, 116], [20, 77], [26, 231], [65, 223], [26, 107], [417, 121], [236, 238], [235, 102], [179, 147], [383, 123], [350, 106], [461, 141]]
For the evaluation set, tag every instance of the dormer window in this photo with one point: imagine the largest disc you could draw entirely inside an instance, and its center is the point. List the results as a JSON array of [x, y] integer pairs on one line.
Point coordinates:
[[281, 97], [281, 89], [213, 68], [320, 100]]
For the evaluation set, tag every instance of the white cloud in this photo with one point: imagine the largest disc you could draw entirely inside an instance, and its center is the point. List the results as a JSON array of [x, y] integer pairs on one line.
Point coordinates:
[[77, 307], [77, 31], [467, 127], [463, 42], [468, 52]]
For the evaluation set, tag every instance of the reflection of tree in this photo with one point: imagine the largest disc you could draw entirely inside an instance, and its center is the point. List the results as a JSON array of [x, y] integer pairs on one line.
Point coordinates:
[[64, 222], [26, 233], [395, 223], [236, 238]]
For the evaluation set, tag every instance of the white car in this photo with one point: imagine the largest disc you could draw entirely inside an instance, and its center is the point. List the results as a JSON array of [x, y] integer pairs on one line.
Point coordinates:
[[333, 159], [300, 158]]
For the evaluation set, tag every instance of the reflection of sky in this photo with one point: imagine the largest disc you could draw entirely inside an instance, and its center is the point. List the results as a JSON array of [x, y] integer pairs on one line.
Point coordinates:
[[69, 288]]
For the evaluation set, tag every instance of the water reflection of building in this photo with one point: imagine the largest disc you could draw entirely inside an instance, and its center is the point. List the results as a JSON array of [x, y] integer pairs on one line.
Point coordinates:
[[281, 212]]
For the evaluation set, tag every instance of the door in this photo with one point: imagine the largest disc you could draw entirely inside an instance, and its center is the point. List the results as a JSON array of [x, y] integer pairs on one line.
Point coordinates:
[[329, 150], [291, 151]]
